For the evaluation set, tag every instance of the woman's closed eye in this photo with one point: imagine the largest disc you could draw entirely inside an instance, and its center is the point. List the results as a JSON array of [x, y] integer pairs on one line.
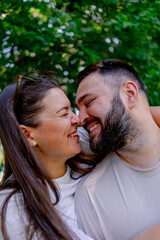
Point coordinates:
[[65, 114]]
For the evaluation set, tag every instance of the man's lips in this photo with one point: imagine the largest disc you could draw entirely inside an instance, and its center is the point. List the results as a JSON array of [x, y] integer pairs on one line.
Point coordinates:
[[92, 128], [91, 125]]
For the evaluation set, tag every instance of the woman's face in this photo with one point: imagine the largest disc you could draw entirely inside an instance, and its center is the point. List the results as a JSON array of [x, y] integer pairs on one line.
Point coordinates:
[[56, 136]]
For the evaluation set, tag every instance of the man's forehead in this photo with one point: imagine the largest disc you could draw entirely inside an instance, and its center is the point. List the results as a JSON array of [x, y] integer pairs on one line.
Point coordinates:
[[90, 81], [86, 87], [92, 84], [96, 79], [93, 77]]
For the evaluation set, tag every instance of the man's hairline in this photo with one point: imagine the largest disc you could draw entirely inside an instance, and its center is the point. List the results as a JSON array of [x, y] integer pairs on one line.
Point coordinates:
[[105, 81]]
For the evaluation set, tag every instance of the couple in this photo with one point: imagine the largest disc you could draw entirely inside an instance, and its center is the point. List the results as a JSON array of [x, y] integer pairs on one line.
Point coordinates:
[[120, 198]]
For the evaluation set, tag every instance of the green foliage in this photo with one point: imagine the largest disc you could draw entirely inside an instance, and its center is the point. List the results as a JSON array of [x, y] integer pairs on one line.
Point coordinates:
[[64, 36], [1, 168]]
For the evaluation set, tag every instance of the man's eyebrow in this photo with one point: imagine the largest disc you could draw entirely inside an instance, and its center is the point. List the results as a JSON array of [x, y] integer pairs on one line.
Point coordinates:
[[83, 97]]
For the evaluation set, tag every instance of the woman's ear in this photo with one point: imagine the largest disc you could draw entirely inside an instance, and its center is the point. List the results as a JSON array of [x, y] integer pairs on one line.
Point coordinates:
[[28, 134], [131, 91]]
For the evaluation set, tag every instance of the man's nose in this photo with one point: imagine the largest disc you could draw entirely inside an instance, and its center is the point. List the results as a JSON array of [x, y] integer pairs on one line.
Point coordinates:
[[83, 116]]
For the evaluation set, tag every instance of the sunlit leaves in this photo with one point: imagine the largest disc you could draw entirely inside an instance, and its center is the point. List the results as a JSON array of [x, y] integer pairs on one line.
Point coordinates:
[[64, 36]]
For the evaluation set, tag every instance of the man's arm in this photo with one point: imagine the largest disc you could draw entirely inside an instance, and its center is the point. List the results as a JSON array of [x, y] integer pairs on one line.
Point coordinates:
[[156, 114]]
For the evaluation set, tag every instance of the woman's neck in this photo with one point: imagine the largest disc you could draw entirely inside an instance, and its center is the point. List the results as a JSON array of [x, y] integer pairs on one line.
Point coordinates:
[[56, 170], [55, 166]]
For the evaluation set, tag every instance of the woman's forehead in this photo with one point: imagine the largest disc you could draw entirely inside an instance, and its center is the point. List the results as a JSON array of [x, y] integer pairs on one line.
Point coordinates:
[[55, 98]]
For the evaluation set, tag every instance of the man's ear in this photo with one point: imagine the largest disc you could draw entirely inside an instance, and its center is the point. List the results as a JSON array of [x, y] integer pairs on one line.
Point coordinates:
[[131, 91], [28, 134]]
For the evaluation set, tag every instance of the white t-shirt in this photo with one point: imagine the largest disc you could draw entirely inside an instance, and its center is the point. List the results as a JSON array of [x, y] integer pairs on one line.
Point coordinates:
[[66, 205], [16, 219]]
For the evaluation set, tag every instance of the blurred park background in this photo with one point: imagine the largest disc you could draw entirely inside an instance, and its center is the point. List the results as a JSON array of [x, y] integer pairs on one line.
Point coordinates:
[[64, 36]]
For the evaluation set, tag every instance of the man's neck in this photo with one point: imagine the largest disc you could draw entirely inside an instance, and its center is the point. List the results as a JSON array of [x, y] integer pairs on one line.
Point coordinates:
[[143, 151]]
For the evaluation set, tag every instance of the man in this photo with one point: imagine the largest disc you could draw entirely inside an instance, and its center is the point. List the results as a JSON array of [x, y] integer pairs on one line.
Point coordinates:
[[121, 197]]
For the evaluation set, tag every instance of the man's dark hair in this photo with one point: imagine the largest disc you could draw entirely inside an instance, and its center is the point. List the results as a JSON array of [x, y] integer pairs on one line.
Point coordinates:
[[119, 73]]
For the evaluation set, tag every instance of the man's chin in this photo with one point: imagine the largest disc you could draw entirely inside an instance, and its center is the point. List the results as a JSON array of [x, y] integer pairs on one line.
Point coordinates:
[[94, 144], [94, 139], [101, 145]]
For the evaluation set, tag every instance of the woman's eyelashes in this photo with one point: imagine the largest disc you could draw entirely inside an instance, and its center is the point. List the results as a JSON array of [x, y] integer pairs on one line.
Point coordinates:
[[65, 114]]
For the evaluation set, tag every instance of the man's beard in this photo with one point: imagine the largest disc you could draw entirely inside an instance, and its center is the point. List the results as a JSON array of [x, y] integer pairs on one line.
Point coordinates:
[[118, 131]]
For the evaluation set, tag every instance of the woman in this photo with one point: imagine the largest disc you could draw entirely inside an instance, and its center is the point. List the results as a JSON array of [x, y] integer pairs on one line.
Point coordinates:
[[38, 131]]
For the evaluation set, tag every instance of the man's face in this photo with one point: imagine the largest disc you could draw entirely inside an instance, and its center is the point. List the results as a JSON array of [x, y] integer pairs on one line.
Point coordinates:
[[102, 114], [94, 100]]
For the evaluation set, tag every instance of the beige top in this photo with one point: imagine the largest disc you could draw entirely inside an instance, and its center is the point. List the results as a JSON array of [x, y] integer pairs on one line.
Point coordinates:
[[117, 201]]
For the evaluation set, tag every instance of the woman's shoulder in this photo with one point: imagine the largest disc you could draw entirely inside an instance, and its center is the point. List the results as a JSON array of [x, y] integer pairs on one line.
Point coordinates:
[[5, 193], [15, 203], [15, 219]]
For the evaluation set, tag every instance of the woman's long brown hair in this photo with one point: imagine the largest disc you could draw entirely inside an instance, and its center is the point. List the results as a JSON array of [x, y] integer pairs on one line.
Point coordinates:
[[24, 172]]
